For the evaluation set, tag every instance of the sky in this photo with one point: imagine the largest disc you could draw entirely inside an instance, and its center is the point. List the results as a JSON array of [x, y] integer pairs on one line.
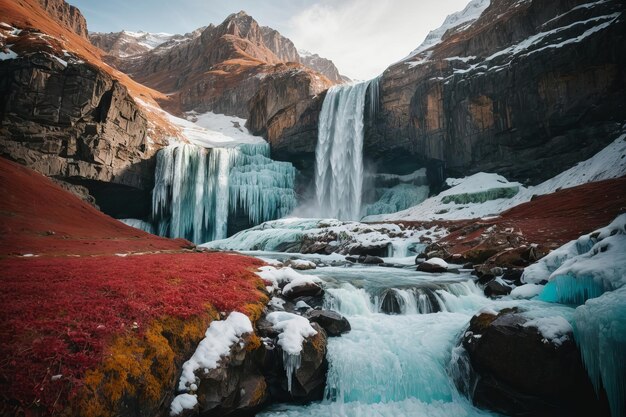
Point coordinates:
[[362, 37]]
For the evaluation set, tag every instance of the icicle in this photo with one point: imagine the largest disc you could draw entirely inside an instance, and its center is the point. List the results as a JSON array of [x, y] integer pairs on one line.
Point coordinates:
[[196, 189]]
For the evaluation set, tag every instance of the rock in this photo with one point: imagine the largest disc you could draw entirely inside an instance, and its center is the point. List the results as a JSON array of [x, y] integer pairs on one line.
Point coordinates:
[[497, 287], [433, 105], [309, 381], [313, 301], [372, 260], [67, 15], [78, 124], [521, 374], [513, 275], [300, 264], [334, 323], [433, 265], [237, 385], [307, 289]]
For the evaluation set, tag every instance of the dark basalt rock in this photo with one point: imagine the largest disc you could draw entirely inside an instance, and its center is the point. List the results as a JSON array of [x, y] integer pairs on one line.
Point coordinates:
[[495, 288], [431, 268], [308, 289], [334, 323], [520, 374], [79, 125], [309, 381]]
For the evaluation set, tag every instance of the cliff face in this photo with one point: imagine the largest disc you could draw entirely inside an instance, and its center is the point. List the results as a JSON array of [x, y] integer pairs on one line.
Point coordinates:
[[219, 69], [323, 66], [526, 90], [67, 15], [522, 88], [67, 115], [285, 111]]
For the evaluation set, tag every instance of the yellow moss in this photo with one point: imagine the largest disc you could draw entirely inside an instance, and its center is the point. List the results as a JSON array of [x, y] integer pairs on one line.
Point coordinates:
[[140, 367], [253, 342]]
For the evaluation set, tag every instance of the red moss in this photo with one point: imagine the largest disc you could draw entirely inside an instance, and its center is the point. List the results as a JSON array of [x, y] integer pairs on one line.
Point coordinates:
[[58, 314], [39, 217]]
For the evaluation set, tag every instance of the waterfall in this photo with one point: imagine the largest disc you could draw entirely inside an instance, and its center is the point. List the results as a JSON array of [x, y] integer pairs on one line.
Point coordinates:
[[196, 189], [339, 152]]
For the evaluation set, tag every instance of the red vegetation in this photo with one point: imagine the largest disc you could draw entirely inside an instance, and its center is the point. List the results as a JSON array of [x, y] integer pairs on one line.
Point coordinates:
[[550, 220], [39, 217], [57, 315]]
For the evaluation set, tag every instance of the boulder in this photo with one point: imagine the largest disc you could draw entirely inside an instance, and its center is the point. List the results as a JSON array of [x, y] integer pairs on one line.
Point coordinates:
[[521, 373], [433, 265], [372, 260], [497, 287], [309, 380], [334, 323], [306, 289]]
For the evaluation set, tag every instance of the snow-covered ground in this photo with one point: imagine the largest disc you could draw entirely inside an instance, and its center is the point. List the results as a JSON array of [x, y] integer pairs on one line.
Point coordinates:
[[608, 163]]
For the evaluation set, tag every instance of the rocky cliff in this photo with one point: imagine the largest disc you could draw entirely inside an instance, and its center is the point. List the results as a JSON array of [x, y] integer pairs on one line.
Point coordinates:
[[526, 90], [67, 115], [522, 88], [219, 69], [323, 66], [67, 15]]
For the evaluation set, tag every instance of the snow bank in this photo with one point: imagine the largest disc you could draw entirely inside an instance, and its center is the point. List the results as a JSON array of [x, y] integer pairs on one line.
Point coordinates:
[[584, 268], [483, 194], [219, 338], [437, 262], [554, 330], [183, 402], [293, 330], [277, 276], [526, 291]]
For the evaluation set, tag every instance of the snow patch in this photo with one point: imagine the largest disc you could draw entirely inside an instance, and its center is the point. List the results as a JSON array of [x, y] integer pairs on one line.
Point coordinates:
[[555, 330]]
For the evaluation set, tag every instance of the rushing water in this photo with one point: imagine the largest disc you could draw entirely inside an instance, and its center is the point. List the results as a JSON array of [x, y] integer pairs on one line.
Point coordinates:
[[397, 363], [339, 152]]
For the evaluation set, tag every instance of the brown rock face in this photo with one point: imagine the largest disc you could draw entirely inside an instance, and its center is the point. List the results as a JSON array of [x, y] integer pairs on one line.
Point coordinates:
[[324, 66], [285, 111], [76, 123], [526, 91], [67, 15], [500, 348]]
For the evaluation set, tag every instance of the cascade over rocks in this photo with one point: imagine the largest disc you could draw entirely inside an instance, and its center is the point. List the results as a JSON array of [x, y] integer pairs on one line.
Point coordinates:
[[519, 372]]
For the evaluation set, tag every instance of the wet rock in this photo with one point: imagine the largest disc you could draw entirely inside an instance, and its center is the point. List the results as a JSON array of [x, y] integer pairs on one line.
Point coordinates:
[[237, 386], [372, 260], [313, 301], [513, 275], [433, 265], [497, 287], [309, 381], [307, 289], [334, 323], [300, 264], [522, 374]]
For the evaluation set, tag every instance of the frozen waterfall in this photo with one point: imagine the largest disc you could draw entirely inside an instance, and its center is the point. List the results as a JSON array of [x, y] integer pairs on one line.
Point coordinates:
[[339, 152], [197, 190]]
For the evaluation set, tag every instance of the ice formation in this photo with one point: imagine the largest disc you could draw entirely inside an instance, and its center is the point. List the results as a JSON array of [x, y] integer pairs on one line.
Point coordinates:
[[591, 272], [139, 224], [196, 189], [584, 268], [293, 330], [339, 152], [600, 331], [399, 197], [608, 163]]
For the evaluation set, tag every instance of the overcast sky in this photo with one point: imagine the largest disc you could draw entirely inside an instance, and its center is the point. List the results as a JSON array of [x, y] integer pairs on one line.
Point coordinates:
[[362, 37]]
